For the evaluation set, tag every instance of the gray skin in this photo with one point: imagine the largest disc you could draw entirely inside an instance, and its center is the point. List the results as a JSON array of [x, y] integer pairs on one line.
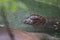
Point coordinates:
[[35, 21], [41, 23], [22, 35]]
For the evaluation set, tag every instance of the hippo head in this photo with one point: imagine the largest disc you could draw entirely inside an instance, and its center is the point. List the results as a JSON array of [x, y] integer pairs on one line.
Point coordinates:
[[34, 19]]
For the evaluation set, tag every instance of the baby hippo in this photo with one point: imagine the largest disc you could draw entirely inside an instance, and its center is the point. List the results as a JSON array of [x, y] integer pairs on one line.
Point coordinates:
[[41, 23]]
